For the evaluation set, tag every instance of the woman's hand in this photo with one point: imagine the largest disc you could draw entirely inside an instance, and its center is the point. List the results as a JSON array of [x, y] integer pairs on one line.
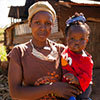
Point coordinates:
[[71, 78], [62, 89]]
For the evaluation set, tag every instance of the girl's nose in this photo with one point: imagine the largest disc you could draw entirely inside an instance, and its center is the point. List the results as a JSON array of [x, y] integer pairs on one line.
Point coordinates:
[[77, 41]]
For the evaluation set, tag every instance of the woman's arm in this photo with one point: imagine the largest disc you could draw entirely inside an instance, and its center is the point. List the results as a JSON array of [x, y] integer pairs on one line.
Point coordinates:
[[15, 78], [17, 90], [28, 92], [23, 92]]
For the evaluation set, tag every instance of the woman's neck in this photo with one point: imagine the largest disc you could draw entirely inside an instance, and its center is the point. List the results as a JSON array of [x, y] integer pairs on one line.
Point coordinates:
[[38, 44]]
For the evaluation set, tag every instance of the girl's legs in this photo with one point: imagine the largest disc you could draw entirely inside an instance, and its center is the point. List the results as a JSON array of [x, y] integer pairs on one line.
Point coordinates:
[[85, 95]]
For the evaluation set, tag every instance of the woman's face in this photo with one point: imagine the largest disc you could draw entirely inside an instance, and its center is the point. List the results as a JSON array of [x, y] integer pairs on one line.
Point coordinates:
[[77, 39], [41, 25]]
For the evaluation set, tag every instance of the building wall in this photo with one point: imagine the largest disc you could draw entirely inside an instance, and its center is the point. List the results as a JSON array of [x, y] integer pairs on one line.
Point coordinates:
[[93, 46]]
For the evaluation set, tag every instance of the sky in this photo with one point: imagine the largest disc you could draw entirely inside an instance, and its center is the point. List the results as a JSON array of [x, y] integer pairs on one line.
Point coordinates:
[[4, 10]]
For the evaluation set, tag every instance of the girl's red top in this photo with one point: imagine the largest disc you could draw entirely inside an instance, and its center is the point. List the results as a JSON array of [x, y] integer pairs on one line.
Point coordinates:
[[79, 65]]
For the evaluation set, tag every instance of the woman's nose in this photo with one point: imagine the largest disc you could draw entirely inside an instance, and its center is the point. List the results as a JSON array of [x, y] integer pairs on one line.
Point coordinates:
[[43, 26]]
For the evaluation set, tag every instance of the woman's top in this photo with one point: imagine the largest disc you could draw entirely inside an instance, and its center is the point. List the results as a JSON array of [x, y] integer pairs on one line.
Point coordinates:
[[80, 65], [36, 71]]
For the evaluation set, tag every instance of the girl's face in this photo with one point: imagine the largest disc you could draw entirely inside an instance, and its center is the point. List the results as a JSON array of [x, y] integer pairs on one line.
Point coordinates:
[[41, 25], [77, 38]]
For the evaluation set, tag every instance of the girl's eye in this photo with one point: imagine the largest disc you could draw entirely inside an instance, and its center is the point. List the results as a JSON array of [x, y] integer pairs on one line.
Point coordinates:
[[82, 39], [72, 38]]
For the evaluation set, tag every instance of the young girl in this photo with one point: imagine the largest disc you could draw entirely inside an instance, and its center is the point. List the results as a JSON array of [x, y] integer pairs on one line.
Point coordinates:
[[76, 63]]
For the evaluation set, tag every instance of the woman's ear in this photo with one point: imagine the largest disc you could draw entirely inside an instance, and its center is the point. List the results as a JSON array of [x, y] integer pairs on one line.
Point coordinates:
[[30, 25]]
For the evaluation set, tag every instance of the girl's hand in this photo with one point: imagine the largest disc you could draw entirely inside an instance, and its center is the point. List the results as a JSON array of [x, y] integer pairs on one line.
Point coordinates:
[[71, 78]]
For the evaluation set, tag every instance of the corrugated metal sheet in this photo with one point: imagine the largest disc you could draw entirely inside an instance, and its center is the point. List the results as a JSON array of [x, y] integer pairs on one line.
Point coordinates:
[[86, 1]]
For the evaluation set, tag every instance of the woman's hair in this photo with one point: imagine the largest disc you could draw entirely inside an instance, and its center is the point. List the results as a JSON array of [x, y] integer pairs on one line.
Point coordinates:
[[76, 20]]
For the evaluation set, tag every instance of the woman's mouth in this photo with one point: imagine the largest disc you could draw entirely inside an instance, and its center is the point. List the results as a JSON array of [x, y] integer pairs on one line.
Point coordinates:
[[42, 34]]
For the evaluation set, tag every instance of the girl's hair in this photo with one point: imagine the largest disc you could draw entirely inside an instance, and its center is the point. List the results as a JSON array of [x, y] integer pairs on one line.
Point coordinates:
[[76, 19]]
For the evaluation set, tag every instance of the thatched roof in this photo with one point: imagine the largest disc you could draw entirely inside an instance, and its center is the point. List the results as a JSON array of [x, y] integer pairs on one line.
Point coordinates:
[[86, 2], [20, 11], [17, 12], [89, 6]]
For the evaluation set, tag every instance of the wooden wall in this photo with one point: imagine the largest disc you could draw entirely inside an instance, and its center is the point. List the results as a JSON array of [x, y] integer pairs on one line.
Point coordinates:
[[93, 46]]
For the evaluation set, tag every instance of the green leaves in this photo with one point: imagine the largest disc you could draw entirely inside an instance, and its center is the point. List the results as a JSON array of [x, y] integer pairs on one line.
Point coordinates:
[[3, 54]]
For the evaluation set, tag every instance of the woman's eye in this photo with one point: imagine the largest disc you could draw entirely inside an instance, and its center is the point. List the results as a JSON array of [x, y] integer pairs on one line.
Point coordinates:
[[37, 22], [48, 23]]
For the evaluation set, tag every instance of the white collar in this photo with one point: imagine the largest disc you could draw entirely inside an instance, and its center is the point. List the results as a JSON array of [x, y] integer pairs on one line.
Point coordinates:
[[84, 54]]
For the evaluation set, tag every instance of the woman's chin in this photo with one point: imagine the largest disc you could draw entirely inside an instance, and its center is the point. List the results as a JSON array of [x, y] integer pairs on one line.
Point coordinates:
[[42, 38]]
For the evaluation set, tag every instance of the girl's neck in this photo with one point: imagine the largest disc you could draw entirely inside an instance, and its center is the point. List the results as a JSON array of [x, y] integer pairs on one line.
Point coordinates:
[[38, 44], [76, 52]]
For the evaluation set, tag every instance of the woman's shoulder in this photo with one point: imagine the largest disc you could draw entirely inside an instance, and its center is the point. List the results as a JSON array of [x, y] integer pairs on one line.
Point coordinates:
[[22, 47], [59, 46], [56, 44], [19, 49]]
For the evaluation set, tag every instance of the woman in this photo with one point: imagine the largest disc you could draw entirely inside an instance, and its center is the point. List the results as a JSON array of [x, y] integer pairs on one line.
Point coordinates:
[[34, 71]]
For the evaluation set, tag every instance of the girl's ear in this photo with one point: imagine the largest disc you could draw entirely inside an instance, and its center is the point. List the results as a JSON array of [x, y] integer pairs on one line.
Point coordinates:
[[66, 40], [87, 40]]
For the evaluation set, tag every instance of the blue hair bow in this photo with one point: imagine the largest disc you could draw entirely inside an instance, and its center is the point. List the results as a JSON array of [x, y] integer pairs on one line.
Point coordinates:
[[72, 20]]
